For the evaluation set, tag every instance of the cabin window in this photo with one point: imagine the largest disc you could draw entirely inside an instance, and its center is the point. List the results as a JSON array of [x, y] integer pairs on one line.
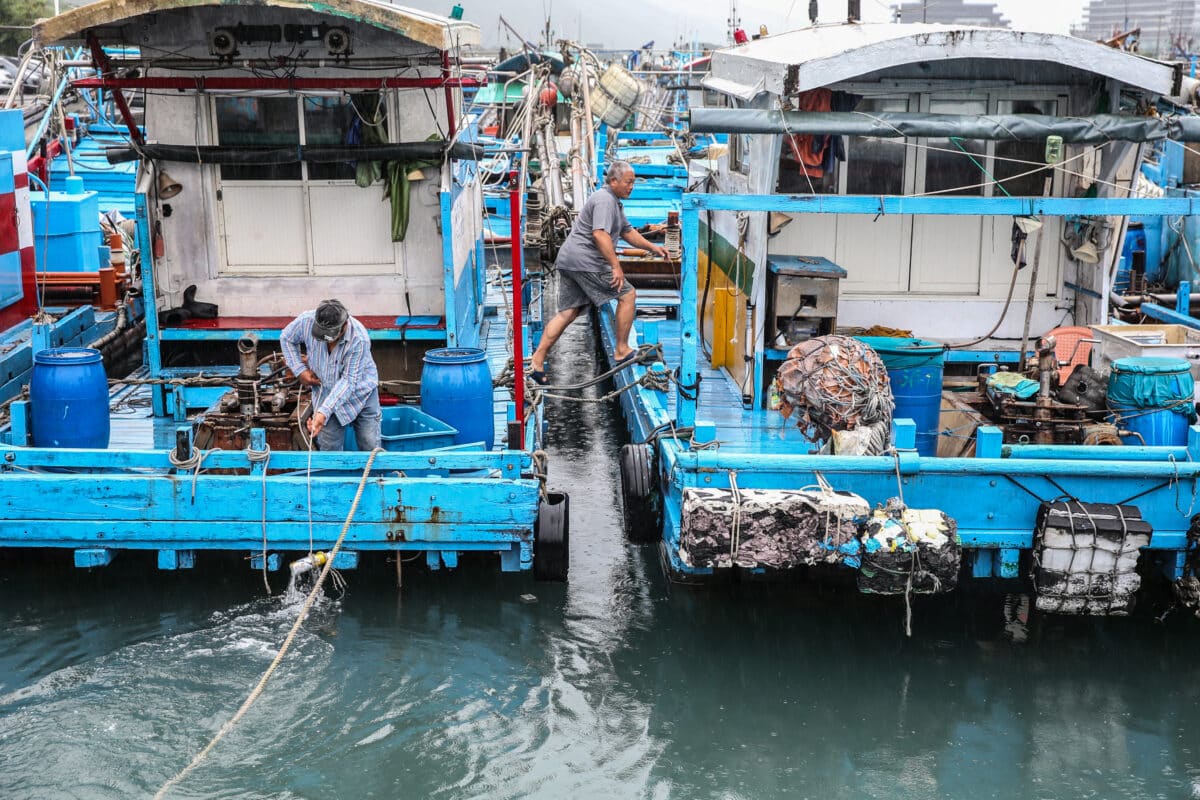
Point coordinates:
[[876, 166], [956, 166], [327, 121], [258, 122], [1014, 159]]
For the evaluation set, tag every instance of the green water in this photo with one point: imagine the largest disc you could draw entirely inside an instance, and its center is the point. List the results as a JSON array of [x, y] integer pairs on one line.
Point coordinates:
[[618, 685]]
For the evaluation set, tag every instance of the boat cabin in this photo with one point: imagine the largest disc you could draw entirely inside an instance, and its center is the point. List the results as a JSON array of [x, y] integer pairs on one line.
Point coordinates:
[[298, 151], [942, 277]]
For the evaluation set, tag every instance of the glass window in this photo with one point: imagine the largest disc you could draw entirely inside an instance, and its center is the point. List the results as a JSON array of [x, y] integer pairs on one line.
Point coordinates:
[[954, 165], [329, 122], [739, 153], [1013, 158], [876, 166], [258, 122]]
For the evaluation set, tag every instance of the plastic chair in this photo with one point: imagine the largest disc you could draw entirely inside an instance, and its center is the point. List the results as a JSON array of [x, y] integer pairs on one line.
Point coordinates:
[[1072, 347]]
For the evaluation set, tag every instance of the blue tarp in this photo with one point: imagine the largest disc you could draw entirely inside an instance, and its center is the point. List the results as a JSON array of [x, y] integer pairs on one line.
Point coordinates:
[[1152, 383]]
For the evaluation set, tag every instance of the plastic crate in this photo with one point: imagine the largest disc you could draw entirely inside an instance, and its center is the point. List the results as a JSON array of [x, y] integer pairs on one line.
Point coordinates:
[[1136, 341], [407, 428]]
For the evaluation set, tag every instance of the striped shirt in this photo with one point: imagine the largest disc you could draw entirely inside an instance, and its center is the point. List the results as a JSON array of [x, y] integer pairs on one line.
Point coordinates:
[[348, 375]]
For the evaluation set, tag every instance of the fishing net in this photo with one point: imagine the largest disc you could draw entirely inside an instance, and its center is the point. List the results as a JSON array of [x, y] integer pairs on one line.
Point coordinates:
[[837, 383]]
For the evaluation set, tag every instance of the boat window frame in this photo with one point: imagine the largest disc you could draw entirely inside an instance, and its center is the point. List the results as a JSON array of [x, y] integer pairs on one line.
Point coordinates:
[[390, 101], [305, 184], [994, 96]]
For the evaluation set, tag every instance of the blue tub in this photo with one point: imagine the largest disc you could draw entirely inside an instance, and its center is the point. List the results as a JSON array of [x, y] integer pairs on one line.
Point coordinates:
[[1152, 399], [405, 428]]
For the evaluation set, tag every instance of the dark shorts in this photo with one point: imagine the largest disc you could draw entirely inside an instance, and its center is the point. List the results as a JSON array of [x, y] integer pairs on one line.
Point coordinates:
[[577, 289]]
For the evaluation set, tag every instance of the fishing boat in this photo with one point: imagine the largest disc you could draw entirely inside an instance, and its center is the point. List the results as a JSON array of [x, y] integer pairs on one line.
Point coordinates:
[[953, 197], [291, 153]]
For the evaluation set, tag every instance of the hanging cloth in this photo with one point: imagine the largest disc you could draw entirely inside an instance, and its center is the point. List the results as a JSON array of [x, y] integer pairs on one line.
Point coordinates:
[[398, 188], [809, 151]]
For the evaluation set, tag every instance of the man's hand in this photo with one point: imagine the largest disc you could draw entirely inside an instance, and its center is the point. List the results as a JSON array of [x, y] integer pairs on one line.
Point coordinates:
[[661, 252], [309, 378], [316, 423], [618, 277]]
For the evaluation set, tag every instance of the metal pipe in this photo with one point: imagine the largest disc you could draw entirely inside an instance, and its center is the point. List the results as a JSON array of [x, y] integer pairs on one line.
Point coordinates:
[[248, 356], [41, 129], [201, 84], [102, 63]]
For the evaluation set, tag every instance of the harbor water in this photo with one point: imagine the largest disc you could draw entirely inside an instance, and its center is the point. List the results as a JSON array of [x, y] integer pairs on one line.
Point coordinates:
[[477, 684]]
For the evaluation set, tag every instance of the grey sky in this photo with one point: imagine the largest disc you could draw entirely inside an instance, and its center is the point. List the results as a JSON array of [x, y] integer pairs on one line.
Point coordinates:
[[631, 23]]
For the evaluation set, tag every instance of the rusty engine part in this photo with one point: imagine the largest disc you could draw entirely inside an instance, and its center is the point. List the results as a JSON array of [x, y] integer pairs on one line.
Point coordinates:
[[267, 400], [1046, 418]]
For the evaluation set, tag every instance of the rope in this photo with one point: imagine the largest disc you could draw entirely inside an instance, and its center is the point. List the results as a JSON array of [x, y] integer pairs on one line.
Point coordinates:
[[736, 517], [895, 462], [193, 462], [264, 457], [287, 643]]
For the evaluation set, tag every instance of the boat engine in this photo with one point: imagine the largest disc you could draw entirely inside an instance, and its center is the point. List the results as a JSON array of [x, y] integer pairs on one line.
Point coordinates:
[[258, 399]]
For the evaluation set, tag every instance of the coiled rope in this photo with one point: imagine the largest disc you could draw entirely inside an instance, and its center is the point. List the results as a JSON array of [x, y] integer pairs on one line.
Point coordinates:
[[287, 643]]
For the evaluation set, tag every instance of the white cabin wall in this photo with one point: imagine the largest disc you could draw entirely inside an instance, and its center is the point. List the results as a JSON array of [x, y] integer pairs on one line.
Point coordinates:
[[356, 259]]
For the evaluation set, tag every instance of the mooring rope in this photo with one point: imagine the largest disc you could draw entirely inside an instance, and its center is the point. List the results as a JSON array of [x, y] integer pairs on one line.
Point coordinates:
[[287, 643], [264, 457]]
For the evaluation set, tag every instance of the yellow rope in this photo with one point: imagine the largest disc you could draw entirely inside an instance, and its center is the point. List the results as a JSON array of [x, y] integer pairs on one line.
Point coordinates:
[[287, 643]]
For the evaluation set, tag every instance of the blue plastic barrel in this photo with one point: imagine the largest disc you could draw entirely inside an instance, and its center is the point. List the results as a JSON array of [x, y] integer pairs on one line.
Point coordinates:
[[914, 368], [1151, 398], [456, 387], [68, 395]]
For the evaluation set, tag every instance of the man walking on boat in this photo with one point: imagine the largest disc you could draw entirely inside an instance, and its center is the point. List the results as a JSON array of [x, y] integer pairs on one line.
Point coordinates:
[[338, 367], [588, 269]]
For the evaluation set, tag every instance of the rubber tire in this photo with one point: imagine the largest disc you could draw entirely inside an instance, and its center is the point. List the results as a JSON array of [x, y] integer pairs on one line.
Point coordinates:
[[552, 539], [639, 501]]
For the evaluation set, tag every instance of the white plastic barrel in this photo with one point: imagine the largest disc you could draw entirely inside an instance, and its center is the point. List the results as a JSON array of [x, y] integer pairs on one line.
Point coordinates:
[[616, 96]]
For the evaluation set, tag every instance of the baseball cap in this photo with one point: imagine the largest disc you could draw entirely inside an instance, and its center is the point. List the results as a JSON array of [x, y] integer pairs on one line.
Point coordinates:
[[329, 319]]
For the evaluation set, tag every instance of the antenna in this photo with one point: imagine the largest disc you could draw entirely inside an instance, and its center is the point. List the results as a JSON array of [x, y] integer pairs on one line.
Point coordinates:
[[734, 22]]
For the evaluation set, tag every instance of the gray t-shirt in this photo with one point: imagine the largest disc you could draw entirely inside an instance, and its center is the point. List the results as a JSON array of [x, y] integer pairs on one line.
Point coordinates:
[[601, 212]]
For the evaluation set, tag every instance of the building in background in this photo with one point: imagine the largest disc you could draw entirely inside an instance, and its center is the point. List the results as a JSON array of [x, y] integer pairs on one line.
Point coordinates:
[[950, 12], [1169, 28]]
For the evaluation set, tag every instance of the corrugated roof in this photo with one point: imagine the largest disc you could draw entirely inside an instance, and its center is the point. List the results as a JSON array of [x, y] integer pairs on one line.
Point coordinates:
[[825, 55], [421, 26]]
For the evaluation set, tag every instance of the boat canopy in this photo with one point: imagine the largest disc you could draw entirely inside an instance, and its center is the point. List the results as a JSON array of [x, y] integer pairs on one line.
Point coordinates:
[[429, 29], [822, 56], [1095, 129], [522, 62]]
